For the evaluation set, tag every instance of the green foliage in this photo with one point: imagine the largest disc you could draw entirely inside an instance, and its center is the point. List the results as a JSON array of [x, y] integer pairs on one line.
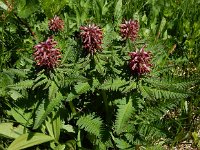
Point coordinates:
[[94, 101], [118, 11], [122, 144], [166, 90], [51, 11], [29, 140], [81, 88], [43, 111], [113, 84], [22, 85], [9, 131], [53, 125], [25, 7], [91, 124], [21, 116], [124, 113]]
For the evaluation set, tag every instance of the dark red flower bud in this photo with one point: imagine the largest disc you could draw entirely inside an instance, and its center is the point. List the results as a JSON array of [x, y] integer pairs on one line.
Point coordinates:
[[46, 55], [140, 61], [56, 24], [92, 38], [129, 29]]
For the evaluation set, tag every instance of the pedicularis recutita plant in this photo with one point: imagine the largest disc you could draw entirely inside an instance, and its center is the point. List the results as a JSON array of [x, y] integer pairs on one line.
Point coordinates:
[[110, 99]]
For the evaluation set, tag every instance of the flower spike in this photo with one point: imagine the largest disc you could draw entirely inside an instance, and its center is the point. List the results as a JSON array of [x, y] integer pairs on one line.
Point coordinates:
[[56, 24], [92, 38], [129, 29], [140, 61], [46, 55]]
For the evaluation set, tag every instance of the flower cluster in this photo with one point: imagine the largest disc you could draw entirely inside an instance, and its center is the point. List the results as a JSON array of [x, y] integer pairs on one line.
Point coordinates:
[[129, 29], [91, 37], [46, 55], [56, 24], [140, 61]]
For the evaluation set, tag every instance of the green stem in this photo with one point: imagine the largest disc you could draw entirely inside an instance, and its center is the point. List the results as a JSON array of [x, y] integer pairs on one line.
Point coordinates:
[[73, 109], [130, 44], [105, 104], [79, 139]]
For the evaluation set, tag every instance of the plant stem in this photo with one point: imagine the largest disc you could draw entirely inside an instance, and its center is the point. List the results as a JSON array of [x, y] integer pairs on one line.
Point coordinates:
[[105, 101], [79, 139], [73, 109], [129, 44]]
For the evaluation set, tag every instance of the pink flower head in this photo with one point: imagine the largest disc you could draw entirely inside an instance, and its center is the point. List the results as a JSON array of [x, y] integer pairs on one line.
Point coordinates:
[[46, 55], [91, 37], [129, 29], [140, 61], [56, 24]]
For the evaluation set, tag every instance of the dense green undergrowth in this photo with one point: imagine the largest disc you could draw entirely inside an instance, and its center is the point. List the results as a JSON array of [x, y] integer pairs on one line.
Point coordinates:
[[94, 97]]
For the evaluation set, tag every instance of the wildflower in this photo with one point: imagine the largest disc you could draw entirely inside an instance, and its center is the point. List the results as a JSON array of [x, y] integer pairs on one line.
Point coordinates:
[[91, 37], [46, 55], [140, 61], [56, 24], [129, 29]]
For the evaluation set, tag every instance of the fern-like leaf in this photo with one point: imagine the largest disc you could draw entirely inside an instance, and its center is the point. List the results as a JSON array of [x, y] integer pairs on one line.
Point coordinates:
[[124, 113], [26, 84], [40, 111], [18, 72], [113, 84], [53, 89], [81, 88], [154, 93], [91, 124], [132, 85], [122, 144], [150, 132], [41, 115], [40, 80], [173, 85]]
